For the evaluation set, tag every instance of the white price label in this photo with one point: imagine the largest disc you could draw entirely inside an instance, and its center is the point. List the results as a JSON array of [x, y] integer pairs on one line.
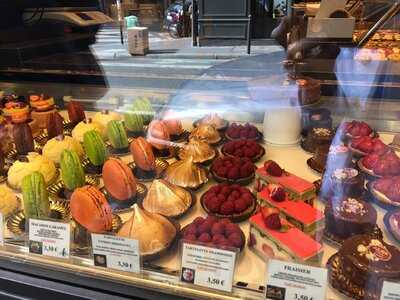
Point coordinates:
[[116, 253], [1, 230], [390, 291], [291, 281], [208, 267], [49, 238]]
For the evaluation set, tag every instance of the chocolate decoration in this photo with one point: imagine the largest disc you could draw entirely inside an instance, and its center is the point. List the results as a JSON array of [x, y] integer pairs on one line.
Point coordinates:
[[55, 125], [23, 138], [76, 112]]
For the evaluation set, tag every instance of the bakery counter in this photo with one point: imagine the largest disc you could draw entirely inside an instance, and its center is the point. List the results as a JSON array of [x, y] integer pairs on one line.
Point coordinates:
[[161, 275]]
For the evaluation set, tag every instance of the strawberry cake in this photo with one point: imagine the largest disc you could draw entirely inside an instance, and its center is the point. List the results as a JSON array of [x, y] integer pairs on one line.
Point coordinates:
[[296, 187], [367, 145], [302, 215], [243, 148], [355, 129], [229, 201], [214, 232], [268, 231], [387, 189], [386, 164]]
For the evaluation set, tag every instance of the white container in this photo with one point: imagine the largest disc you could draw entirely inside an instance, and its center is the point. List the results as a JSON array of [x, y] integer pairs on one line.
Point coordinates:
[[282, 125]]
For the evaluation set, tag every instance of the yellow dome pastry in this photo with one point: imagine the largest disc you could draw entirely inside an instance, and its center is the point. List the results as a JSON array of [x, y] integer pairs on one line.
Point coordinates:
[[153, 231], [199, 150], [167, 199], [104, 117], [9, 202], [54, 147], [206, 133], [85, 126], [186, 174], [36, 162]]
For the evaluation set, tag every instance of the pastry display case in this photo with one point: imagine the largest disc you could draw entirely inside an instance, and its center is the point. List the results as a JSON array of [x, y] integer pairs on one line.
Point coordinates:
[[199, 186]]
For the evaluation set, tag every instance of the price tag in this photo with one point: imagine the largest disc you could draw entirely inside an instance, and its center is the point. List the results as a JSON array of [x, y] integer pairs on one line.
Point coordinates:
[[1, 230], [208, 267], [49, 238], [116, 253], [291, 281], [390, 291]]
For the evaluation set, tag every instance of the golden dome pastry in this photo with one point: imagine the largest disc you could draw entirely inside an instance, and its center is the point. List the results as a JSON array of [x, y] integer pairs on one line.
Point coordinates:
[[214, 120], [199, 150], [79, 131], [153, 231], [206, 133], [167, 199], [186, 174], [54, 147], [36, 162], [9, 202]]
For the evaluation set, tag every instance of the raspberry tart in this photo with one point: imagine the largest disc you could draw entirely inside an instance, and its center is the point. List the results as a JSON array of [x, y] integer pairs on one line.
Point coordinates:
[[387, 164], [238, 132], [233, 169], [354, 129], [243, 148], [229, 201], [364, 145], [214, 232], [386, 190], [269, 232]]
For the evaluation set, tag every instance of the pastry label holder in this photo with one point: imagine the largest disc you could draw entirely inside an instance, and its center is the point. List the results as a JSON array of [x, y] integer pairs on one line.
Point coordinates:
[[208, 267], [49, 238], [390, 291], [287, 280], [116, 253]]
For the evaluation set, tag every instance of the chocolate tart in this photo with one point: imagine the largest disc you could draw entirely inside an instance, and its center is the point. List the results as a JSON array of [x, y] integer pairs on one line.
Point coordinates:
[[81, 238], [368, 172], [242, 181], [90, 168], [338, 241], [235, 218], [59, 210], [253, 159], [313, 166], [58, 191], [126, 205], [392, 223], [380, 199], [148, 176], [340, 283]]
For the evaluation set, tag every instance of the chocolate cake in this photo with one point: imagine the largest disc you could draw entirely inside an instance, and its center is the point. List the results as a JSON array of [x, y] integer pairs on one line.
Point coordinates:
[[339, 156], [316, 118], [318, 136], [320, 157], [346, 216], [347, 182], [366, 261]]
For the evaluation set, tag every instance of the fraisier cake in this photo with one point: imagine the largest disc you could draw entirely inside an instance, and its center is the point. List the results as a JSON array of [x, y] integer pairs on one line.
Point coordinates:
[[366, 261], [345, 217]]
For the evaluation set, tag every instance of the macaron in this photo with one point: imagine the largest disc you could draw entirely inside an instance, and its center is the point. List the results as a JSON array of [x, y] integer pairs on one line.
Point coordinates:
[[89, 207], [118, 179], [143, 155]]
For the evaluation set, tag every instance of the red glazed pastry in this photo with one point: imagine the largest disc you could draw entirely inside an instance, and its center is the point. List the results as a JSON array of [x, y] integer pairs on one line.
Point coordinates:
[[55, 126], [368, 145], [389, 187], [143, 154], [387, 164], [158, 135], [76, 112], [23, 138], [118, 179], [356, 129], [90, 209]]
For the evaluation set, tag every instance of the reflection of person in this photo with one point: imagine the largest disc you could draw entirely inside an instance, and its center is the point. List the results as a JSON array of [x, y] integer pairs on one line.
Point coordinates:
[[186, 13]]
